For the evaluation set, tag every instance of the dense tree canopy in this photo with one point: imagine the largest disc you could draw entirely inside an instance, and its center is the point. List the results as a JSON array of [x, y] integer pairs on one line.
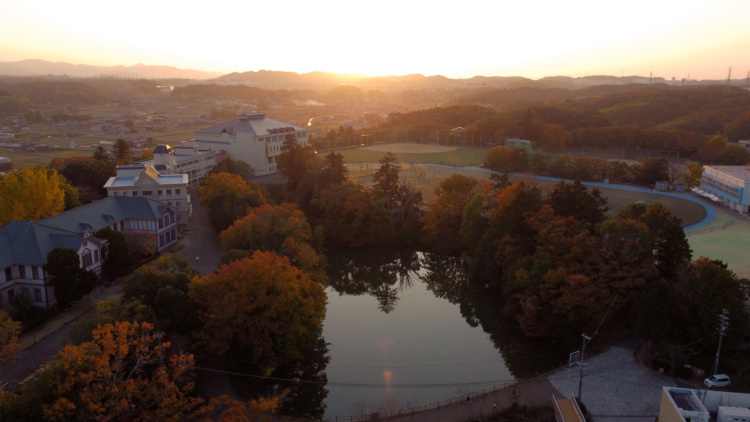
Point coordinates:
[[261, 310], [227, 198]]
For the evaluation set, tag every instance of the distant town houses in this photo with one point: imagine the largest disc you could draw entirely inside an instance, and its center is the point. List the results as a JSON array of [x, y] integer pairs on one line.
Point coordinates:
[[24, 245]]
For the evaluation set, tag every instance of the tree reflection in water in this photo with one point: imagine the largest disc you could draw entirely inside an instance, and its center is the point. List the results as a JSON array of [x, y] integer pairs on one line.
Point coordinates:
[[380, 273], [482, 306]]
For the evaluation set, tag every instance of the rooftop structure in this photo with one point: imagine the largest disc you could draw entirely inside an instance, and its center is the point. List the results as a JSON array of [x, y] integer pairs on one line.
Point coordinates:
[[141, 180], [187, 158], [688, 405]]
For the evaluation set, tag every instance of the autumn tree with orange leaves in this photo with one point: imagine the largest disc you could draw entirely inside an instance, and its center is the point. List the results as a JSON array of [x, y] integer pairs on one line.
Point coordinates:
[[127, 373], [262, 310]]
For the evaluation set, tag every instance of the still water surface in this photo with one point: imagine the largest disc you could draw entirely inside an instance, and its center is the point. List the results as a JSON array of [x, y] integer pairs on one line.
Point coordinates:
[[406, 328]]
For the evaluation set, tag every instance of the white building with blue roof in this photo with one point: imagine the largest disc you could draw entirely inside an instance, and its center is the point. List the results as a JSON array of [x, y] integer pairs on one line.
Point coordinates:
[[24, 245], [252, 138]]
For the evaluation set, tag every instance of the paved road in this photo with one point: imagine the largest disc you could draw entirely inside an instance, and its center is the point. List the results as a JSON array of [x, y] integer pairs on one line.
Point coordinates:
[[201, 239]]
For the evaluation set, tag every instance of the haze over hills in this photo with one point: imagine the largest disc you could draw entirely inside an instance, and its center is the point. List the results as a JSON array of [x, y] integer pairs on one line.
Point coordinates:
[[36, 67], [292, 80]]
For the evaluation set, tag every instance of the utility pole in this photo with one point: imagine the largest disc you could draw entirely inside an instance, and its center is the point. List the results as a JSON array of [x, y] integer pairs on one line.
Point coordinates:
[[722, 330], [586, 339]]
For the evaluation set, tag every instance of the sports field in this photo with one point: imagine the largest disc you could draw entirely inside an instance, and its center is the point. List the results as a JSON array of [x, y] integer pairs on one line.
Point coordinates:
[[726, 238]]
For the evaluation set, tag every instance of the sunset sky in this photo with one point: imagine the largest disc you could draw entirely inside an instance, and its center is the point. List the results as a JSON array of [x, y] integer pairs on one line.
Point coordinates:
[[699, 39]]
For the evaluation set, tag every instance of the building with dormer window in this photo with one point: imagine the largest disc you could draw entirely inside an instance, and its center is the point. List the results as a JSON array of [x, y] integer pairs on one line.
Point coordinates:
[[24, 245]]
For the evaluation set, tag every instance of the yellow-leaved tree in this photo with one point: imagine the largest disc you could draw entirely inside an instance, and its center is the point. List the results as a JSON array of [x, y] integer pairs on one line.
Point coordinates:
[[33, 194]]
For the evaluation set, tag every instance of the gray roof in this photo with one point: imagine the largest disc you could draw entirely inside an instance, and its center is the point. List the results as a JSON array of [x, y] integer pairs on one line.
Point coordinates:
[[26, 242], [256, 123], [101, 214]]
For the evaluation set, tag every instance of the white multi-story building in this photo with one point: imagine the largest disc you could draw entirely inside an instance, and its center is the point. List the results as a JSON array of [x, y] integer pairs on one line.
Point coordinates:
[[141, 180], [252, 138], [187, 158], [730, 183]]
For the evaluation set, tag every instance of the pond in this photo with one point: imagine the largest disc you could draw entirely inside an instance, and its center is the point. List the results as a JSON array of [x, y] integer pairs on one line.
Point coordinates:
[[405, 328]]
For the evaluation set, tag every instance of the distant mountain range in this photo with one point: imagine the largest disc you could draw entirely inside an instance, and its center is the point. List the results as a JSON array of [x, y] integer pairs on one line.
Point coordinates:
[[286, 80], [138, 71]]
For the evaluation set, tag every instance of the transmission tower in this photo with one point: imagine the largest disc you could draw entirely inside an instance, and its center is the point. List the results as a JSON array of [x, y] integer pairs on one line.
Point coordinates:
[[729, 78]]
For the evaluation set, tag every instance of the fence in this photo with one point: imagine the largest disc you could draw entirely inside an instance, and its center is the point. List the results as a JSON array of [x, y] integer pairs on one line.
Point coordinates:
[[417, 409]]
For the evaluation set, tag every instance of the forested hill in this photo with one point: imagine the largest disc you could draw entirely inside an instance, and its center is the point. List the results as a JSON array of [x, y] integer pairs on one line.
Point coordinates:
[[560, 117]]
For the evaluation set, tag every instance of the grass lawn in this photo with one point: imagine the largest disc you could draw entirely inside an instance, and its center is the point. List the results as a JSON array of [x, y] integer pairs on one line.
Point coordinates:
[[461, 157]]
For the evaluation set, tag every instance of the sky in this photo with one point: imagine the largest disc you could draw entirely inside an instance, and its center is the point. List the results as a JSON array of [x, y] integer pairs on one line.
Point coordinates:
[[696, 39]]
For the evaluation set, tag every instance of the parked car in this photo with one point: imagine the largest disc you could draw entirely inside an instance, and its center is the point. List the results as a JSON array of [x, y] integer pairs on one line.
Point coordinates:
[[717, 381]]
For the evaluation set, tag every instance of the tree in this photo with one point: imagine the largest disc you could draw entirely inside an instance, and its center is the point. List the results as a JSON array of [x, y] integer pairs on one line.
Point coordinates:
[[386, 177], [261, 310], [125, 373], [334, 170], [281, 229], [163, 288], [352, 215], [575, 200], [654, 169], [121, 151], [33, 194], [117, 259], [297, 163], [665, 235], [71, 282], [9, 346], [227, 198], [709, 152], [101, 154], [444, 216], [238, 167]]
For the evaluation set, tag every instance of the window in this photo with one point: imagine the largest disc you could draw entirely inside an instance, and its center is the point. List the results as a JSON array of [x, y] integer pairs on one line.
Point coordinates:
[[135, 193], [96, 255], [177, 191], [37, 294], [21, 271], [148, 193], [34, 272], [87, 262], [159, 192], [11, 294], [8, 274], [169, 191]]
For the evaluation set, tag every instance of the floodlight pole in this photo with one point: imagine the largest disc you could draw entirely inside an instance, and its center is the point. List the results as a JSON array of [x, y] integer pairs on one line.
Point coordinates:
[[586, 339]]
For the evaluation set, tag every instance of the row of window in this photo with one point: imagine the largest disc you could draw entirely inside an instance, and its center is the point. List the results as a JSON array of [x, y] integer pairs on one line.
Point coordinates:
[[160, 192], [721, 187], [166, 238], [36, 274], [24, 292], [89, 259]]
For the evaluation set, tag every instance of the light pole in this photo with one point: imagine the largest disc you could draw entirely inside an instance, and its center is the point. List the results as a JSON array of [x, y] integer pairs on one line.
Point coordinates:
[[197, 264], [586, 339], [723, 325]]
